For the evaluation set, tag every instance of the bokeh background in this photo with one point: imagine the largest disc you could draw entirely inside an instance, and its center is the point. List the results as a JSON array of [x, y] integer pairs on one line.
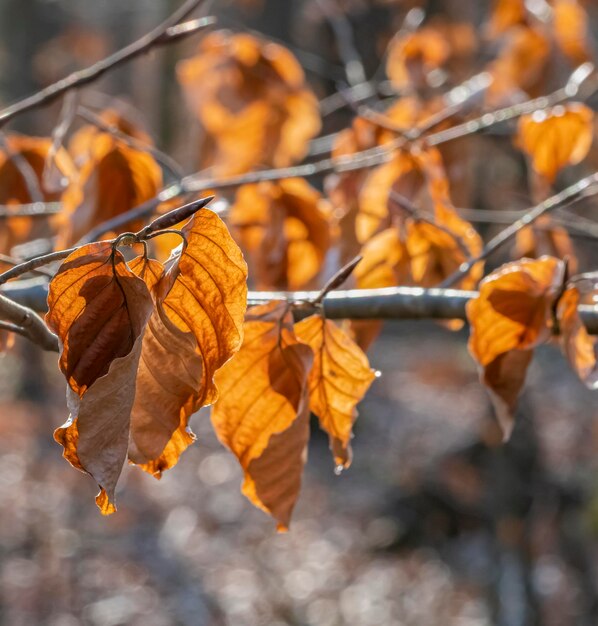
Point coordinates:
[[436, 522]]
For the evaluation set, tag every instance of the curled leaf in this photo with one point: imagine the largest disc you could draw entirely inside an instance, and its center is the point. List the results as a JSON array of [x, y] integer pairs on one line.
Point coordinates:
[[577, 344], [262, 413], [512, 315], [114, 179]]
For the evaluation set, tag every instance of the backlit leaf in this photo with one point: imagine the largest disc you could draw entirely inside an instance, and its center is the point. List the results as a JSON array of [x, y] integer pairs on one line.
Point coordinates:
[[285, 230], [556, 137], [338, 380], [512, 315], [252, 101], [262, 413], [195, 328], [578, 345], [114, 179]]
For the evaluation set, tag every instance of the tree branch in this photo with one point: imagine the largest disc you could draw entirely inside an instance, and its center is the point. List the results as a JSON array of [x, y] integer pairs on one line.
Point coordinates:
[[170, 30]]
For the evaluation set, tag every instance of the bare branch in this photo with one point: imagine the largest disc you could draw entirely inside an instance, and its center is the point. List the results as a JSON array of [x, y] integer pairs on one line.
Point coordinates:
[[587, 186], [169, 31], [33, 326]]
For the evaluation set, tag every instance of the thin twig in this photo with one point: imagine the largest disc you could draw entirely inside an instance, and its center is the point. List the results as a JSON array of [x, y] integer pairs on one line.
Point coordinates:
[[32, 209], [33, 325], [169, 31], [337, 280], [587, 186]]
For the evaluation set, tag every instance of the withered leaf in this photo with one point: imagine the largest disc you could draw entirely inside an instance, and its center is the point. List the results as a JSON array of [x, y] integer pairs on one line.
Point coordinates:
[[577, 344], [262, 413], [338, 380], [97, 307], [285, 230], [511, 315], [556, 137], [114, 179], [195, 328], [253, 103]]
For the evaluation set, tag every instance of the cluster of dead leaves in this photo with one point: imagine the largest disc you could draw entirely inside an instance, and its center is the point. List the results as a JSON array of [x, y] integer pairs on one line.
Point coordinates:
[[520, 306], [281, 373], [140, 344], [252, 102]]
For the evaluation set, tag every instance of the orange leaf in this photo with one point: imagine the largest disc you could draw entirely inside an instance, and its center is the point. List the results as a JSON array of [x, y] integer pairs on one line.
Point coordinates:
[[252, 101], [195, 328], [556, 137], [571, 30], [98, 308], [511, 315], [519, 65], [113, 180], [262, 413], [412, 57], [505, 15], [579, 347], [284, 228], [338, 380]]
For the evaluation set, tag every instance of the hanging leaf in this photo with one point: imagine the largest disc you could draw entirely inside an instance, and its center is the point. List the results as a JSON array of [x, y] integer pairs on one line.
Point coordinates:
[[512, 315], [113, 180], [252, 101], [556, 137], [338, 380], [505, 15], [285, 230], [195, 328], [571, 31], [578, 345], [262, 413], [98, 308]]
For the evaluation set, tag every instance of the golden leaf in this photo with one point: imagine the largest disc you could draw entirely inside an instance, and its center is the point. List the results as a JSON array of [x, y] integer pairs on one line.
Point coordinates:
[[195, 328], [511, 315], [113, 180], [285, 230], [556, 137], [338, 380], [262, 413], [252, 101], [577, 344]]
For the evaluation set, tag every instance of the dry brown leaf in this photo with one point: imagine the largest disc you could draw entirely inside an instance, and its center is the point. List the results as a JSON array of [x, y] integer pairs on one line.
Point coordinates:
[[577, 344], [338, 380], [195, 328], [252, 101], [262, 413], [556, 137], [96, 436], [385, 262], [512, 315], [285, 230], [14, 189], [97, 307], [412, 57], [571, 31], [114, 179]]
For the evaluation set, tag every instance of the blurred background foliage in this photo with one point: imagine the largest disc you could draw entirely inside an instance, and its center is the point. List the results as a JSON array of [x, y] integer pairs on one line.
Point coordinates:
[[436, 522]]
